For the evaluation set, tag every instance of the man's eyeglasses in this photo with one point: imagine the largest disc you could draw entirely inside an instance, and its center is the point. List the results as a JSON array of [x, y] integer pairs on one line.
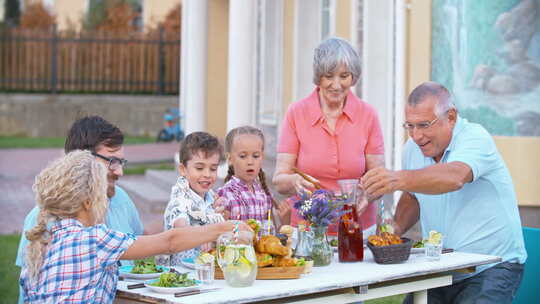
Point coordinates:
[[114, 162], [419, 126]]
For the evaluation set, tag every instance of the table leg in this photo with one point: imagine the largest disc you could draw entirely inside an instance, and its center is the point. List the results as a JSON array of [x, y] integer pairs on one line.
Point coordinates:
[[420, 297]]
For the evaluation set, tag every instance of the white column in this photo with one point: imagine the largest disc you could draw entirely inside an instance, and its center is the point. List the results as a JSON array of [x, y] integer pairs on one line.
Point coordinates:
[[379, 80], [193, 64], [383, 71], [400, 91], [241, 86], [307, 36]]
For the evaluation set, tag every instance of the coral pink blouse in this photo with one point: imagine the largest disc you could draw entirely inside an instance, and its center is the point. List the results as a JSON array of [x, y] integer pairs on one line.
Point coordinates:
[[331, 156]]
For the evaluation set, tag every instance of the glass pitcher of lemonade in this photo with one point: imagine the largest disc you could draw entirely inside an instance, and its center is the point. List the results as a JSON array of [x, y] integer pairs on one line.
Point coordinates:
[[237, 259]]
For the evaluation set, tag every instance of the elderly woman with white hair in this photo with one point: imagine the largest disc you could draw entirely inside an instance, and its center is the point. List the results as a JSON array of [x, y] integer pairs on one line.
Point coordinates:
[[73, 257], [331, 134]]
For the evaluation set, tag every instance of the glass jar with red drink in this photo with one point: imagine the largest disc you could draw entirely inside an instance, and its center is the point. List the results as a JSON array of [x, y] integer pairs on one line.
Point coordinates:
[[350, 235]]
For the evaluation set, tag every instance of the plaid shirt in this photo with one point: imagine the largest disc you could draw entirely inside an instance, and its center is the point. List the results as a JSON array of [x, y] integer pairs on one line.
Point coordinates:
[[80, 265], [244, 203]]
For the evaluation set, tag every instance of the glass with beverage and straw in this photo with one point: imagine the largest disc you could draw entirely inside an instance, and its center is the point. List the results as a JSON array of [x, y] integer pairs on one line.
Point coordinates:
[[385, 220], [350, 235]]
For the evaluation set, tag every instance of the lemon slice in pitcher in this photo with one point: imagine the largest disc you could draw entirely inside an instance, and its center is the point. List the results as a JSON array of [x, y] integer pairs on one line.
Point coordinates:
[[250, 254], [434, 237], [231, 255], [243, 268]]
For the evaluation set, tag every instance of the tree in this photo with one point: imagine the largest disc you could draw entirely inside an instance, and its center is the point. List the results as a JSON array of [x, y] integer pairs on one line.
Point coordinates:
[[36, 16], [173, 20], [112, 15]]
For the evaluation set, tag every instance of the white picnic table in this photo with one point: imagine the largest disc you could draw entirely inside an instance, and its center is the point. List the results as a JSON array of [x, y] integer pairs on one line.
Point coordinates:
[[336, 283]]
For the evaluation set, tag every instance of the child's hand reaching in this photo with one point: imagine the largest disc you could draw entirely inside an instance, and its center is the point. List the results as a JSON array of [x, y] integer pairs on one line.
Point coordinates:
[[219, 207], [206, 247], [284, 211]]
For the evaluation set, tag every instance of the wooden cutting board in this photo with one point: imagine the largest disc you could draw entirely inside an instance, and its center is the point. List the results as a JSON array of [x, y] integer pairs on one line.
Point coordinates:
[[270, 273]]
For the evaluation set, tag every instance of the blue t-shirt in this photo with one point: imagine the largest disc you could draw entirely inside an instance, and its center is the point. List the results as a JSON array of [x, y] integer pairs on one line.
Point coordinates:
[[121, 216], [481, 217]]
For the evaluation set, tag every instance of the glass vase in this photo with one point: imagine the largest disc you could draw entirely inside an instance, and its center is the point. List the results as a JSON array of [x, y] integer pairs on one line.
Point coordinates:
[[305, 243], [321, 252]]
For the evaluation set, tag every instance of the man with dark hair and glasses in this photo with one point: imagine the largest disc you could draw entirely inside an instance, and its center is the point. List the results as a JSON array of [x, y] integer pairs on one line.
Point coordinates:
[[455, 181], [105, 140]]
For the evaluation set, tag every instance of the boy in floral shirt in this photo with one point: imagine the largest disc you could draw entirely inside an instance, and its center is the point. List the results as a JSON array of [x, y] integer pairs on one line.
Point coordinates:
[[192, 197]]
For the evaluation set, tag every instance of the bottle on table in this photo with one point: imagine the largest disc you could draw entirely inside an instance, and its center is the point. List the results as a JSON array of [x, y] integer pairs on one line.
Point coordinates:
[[350, 234]]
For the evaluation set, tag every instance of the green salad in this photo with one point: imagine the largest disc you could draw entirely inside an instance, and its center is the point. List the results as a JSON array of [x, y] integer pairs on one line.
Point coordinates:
[[419, 244], [145, 266], [172, 279]]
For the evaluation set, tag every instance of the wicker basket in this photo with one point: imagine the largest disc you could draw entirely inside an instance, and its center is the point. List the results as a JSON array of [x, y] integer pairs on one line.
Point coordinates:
[[392, 254]]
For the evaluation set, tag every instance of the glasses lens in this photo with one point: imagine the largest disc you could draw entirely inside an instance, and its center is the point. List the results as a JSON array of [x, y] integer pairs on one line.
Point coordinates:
[[117, 163]]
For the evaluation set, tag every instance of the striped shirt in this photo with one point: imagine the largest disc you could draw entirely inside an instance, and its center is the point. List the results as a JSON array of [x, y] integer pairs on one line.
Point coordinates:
[[79, 266]]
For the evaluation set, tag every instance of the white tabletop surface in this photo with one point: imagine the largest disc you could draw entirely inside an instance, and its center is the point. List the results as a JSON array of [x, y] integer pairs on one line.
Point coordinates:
[[335, 276]]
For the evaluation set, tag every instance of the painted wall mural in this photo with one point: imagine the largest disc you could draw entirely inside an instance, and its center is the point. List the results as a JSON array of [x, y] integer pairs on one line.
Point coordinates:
[[487, 53]]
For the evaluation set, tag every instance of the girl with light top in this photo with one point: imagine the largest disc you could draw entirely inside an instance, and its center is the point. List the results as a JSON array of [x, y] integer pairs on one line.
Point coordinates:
[[76, 259], [245, 191], [192, 197]]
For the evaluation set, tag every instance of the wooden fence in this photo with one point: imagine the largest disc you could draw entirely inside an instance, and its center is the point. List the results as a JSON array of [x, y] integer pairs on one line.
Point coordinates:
[[98, 62]]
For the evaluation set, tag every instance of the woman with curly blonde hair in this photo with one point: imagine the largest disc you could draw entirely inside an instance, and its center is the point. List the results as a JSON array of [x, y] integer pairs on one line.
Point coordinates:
[[72, 257]]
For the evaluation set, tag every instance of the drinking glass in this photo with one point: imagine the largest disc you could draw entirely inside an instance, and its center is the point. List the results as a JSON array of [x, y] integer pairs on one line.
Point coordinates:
[[433, 251], [349, 189], [267, 228], [205, 272]]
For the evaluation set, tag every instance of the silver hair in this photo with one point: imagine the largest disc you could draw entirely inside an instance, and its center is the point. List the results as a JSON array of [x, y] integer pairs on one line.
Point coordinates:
[[432, 89], [330, 54]]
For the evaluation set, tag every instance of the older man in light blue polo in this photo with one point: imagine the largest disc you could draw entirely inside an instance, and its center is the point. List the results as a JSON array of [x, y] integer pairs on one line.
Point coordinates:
[[455, 181]]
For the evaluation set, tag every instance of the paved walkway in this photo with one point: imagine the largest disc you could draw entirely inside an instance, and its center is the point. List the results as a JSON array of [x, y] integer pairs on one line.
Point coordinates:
[[18, 167]]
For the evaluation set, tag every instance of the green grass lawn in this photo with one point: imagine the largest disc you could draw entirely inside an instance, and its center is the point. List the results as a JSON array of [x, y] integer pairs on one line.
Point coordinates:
[[11, 142], [9, 273], [141, 169], [387, 300]]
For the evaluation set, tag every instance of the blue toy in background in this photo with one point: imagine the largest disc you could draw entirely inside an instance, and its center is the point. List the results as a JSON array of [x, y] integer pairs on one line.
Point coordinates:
[[172, 129]]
